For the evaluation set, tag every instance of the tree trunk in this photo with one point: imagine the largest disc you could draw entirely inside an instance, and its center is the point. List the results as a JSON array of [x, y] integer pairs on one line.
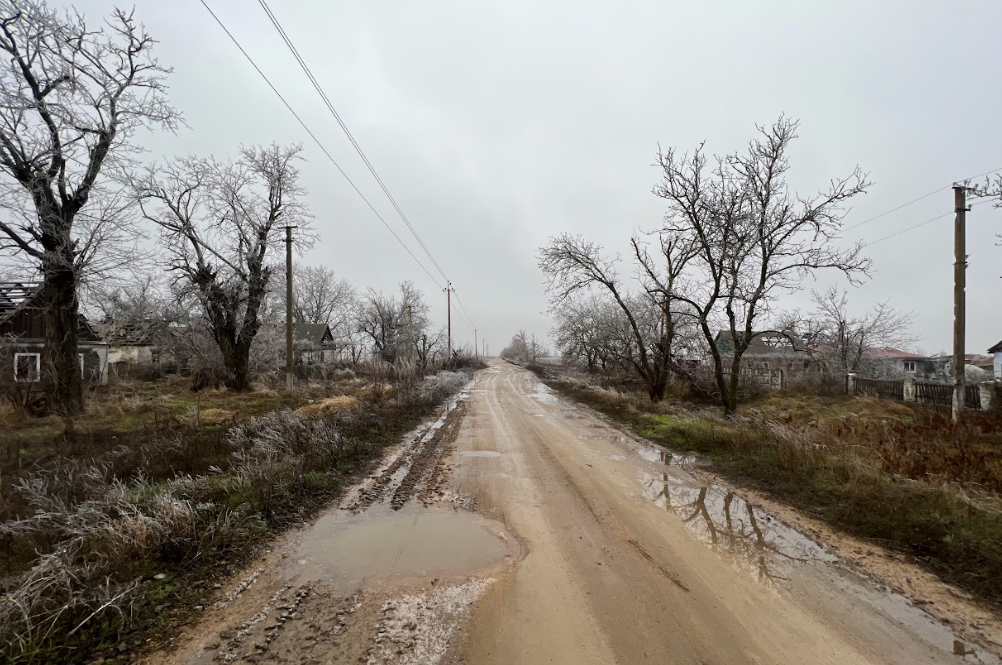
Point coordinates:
[[61, 378], [731, 394], [657, 386], [238, 367]]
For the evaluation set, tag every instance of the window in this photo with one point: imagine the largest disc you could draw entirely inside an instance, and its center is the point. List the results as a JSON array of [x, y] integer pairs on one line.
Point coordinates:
[[27, 367], [80, 356], [910, 366]]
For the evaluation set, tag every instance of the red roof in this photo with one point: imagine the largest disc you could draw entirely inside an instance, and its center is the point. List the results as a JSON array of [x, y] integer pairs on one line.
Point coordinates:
[[889, 352]]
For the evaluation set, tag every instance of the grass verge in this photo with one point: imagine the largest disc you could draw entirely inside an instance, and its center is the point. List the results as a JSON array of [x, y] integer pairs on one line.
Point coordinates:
[[107, 549], [893, 475]]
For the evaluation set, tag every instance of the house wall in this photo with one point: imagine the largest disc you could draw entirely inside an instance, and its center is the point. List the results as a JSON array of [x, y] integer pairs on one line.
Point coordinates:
[[135, 355], [95, 360], [894, 369], [998, 364]]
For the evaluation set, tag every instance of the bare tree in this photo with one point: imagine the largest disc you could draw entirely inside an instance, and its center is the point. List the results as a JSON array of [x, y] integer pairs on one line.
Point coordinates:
[[734, 237], [148, 298], [573, 264], [844, 342], [588, 329], [524, 348], [428, 347], [392, 324], [72, 100], [319, 296], [218, 221]]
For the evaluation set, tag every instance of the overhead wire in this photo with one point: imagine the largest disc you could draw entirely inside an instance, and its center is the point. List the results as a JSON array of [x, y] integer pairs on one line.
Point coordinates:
[[344, 127], [928, 221], [317, 141], [462, 307]]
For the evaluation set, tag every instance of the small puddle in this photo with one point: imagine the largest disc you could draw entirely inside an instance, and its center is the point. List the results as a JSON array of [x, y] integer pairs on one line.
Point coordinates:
[[661, 456], [348, 549], [544, 395], [480, 453]]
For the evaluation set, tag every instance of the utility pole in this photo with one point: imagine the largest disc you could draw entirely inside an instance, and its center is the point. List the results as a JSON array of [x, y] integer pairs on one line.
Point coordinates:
[[410, 333], [289, 378], [476, 349], [448, 306], [959, 298]]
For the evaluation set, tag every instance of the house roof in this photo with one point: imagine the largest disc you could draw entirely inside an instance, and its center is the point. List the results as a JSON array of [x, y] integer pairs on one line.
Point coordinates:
[[890, 353], [15, 296], [764, 342], [996, 349], [130, 332], [312, 333]]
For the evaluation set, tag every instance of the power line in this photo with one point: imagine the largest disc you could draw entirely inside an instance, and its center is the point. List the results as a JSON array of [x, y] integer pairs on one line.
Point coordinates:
[[317, 141], [910, 228], [905, 205], [469, 320], [323, 95]]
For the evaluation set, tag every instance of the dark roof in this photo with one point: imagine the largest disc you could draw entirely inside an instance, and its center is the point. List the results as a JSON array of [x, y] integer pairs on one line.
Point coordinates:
[[996, 349], [764, 342], [15, 296], [130, 333], [23, 317], [312, 333]]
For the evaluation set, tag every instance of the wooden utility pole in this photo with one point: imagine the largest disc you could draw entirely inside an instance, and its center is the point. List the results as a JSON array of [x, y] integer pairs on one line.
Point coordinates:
[[448, 319], [410, 333], [289, 378], [959, 299]]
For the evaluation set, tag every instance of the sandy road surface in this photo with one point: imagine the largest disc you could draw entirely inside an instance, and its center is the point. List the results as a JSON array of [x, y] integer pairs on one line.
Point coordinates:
[[620, 564], [586, 546]]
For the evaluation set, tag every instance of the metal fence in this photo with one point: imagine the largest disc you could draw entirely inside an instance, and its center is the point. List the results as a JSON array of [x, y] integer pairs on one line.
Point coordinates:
[[883, 389]]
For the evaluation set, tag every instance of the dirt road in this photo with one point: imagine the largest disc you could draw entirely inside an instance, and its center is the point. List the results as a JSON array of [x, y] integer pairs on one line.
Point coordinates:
[[586, 546]]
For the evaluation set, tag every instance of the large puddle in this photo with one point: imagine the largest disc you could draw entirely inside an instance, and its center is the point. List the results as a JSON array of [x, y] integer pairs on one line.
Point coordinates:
[[393, 529], [350, 550]]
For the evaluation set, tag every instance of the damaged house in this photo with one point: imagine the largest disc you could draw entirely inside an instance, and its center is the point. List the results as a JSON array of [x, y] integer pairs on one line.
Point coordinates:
[[22, 337], [773, 359]]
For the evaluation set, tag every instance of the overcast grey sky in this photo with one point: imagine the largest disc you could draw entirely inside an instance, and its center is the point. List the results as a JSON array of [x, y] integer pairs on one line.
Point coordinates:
[[498, 124]]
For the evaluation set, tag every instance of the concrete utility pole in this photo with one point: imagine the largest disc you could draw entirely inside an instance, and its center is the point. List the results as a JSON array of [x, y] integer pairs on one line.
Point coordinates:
[[289, 377], [959, 298], [476, 349], [448, 319]]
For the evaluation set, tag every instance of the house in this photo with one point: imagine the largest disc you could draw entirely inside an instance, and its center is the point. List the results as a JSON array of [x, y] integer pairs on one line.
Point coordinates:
[[890, 363], [996, 352], [132, 342], [313, 343], [773, 359], [22, 337]]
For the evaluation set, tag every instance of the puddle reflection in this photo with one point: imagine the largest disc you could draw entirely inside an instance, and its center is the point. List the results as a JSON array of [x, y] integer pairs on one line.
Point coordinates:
[[732, 526]]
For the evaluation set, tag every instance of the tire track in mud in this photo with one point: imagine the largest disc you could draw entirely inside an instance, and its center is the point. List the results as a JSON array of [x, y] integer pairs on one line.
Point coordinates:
[[419, 470]]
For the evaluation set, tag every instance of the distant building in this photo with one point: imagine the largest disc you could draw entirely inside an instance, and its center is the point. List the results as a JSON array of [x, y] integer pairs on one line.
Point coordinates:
[[313, 344], [22, 337], [891, 363], [132, 342], [773, 359], [996, 352]]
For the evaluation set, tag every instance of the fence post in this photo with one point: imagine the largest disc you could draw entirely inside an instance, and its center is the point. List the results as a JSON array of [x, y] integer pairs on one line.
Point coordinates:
[[850, 383], [909, 390], [987, 390]]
